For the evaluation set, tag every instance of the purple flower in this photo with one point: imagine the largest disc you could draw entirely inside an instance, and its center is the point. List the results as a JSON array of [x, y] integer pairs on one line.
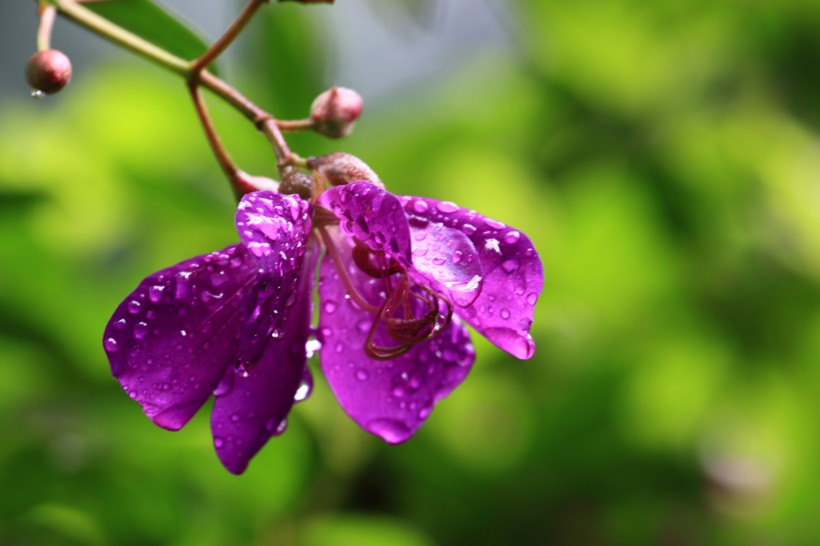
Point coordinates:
[[399, 279]]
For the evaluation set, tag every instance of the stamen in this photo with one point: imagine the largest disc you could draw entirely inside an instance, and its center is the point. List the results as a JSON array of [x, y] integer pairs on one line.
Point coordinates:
[[342, 270]]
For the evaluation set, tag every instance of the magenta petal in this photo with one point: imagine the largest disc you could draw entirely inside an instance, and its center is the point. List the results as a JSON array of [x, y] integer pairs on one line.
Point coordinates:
[[390, 399], [255, 397], [513, 275], [448, 259], [372, 216], [170, 341]]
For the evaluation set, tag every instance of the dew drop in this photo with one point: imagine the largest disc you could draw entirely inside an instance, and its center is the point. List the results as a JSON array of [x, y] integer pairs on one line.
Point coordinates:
[[140, 330], [218, 442], [120, 324], [512, 237], [329, 307], [312, 346], [457, 255], [493, 224], [419, 235], [424, 413], [362, 375], [439, 260], [509, 265], [134, 307], [302, 392], [447, 207], [36, 94], [111, 345], [505, 313], [468, 229], [420, 206], [363, 326], [155, 293], [532, 297], [235, 418], [392, 430]]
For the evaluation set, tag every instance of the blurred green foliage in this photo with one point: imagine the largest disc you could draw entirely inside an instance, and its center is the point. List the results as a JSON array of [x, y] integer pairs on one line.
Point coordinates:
[[665, 158]]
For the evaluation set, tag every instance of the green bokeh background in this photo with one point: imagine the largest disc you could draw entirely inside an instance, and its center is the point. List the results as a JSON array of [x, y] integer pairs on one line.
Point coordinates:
[[663, 156]]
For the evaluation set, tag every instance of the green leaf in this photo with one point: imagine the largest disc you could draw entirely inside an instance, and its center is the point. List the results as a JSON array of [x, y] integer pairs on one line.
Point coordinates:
[[152, 23]]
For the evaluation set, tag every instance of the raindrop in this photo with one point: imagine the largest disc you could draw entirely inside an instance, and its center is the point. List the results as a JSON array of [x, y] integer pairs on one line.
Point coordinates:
[[420, 206], [512, 237], [303, 391], [329, 307], [468, 229], [457, 255], [494, 224], [510, 265], [505, 313], [363, 326], [37, 94], [155, 293], [120, 324], [362, 375], [140, 330], [218, 442], [133, 307], [532, 297], [312, 346], [111, 345], [235, 417], [447, 207], [392, 430], [419, 235], [439, 260]]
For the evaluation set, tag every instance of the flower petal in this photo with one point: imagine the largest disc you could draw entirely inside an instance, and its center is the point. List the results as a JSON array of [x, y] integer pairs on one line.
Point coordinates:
[[170, 341], [372, 216], [448, 259], [513, 275], [390, 399], [255, 397]]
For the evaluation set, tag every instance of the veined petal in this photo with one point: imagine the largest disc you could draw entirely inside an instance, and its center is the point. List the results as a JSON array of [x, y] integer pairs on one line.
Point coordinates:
[[254, 402], [512, 271], [392, 398], [170, 341], [371, 216], [448, 259]]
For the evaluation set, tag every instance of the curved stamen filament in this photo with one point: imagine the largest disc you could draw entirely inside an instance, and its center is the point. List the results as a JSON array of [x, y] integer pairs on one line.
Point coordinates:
[[343, 275]]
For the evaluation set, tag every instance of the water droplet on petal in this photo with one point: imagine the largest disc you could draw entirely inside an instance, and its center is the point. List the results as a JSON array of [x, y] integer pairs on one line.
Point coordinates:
[[391, 430], [493, 224], [235, 417], [111, 345], [457, 255], [447, 207], [218, 442], [505, 313], [312, 346], [140, 330], [468, 229], [532, 297], [134, 307], [329, 307], [439, 260], [120, 324], [155, 293], [512, 237], [510, 265], [420, 206], [302, 392], [362, 375], [363, 326]]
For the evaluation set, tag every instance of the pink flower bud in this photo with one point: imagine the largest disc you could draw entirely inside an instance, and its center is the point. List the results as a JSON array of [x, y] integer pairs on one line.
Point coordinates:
[[340, 168], [48, 71], [334, 111]]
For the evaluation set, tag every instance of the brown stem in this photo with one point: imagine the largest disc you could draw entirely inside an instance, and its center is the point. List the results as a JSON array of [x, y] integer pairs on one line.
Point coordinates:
[[222, 156], [295, 125], [47, 15], [227, 38]]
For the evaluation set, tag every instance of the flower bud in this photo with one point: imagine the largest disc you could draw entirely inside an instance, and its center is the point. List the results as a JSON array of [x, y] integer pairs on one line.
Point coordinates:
[[340, 168], [295, 182], [48, 71], [334, 111]]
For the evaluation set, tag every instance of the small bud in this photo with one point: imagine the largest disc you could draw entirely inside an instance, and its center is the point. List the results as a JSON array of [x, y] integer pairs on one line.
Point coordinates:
[[334, 111], [340, 168], [296, 183], [48, 71]]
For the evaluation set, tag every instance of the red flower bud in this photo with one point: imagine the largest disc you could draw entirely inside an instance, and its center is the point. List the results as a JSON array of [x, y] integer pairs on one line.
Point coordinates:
[[334, 111], [48, 71]]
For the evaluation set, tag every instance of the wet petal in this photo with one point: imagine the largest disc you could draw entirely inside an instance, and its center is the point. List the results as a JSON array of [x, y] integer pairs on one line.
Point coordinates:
[[257, 395], [390, 399], [273, 226], [372, 216], [448, 259], [170, 341], [513, 275]]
